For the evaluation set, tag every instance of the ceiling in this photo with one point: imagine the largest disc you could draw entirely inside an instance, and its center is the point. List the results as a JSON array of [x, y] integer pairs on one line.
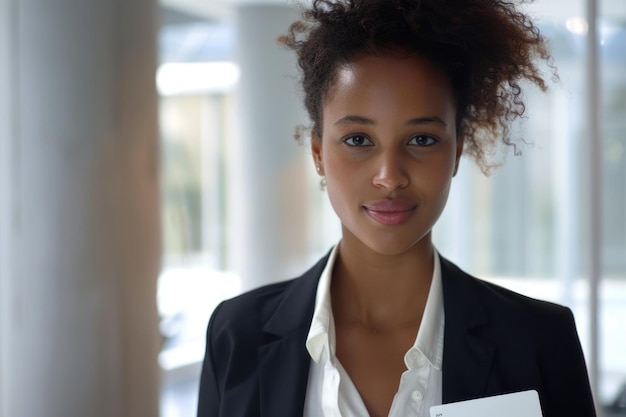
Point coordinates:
[[563, 9], [203, 30], [204, 9]]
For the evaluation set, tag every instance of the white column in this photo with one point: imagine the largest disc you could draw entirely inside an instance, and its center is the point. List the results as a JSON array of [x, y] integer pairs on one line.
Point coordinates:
[[79, 229], [268, 201], [6, 122], [594, 192]]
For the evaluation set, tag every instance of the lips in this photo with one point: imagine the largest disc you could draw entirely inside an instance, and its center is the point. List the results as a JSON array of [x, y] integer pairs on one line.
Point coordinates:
[[390, 212]]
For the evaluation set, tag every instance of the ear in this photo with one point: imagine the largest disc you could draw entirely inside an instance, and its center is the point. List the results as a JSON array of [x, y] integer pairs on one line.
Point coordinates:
[[316, 151], [459, 152]]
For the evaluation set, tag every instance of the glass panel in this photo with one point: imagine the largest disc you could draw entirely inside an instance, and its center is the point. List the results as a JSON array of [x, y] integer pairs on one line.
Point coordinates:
[[192, 282], [613, 291], [195, 80], [181, 176]]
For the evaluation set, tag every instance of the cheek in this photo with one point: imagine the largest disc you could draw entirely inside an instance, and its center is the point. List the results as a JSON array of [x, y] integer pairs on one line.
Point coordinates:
[[341, 200], [337, 168], [436, 180], [436, 187], [341, 182]]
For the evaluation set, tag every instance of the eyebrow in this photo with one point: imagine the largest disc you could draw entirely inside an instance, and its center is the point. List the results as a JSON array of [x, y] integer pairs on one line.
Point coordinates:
[[353, 119]]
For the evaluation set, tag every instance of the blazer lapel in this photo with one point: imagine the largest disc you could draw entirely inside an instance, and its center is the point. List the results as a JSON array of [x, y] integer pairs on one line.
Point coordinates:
[[467, 358], [284, 362]]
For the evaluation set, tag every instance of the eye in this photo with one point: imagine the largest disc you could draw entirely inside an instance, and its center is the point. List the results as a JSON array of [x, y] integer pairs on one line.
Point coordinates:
[[357, 140], [423, 140]]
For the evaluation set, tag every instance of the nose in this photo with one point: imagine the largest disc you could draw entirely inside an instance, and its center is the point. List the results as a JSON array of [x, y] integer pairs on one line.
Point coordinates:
[[390, 172]]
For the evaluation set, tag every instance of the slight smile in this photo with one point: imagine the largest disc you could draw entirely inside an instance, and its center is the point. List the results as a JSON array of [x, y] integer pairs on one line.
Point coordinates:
[[390, 212]]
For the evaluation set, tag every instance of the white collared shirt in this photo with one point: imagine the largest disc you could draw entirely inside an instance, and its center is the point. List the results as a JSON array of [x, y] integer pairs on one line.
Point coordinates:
[[331, 392]]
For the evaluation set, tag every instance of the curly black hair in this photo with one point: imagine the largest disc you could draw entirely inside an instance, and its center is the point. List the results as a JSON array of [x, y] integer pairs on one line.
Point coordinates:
[[486, 48]]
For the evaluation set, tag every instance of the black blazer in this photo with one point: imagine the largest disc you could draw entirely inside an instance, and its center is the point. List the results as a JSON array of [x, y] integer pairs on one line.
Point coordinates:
[[495, 342]]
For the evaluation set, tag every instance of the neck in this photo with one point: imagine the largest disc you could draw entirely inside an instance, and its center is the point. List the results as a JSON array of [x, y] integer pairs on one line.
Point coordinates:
[[381, 291]]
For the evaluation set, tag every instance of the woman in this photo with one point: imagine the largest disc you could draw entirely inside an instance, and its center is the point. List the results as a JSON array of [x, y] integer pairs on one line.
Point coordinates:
[[396, 91]]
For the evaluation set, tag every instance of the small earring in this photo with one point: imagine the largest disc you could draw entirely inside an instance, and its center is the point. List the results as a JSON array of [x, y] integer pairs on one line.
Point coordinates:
[[323, 184], [317, 167]]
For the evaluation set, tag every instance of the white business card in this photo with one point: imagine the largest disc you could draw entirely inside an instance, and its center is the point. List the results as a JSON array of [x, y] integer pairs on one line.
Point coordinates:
[[518, 404]]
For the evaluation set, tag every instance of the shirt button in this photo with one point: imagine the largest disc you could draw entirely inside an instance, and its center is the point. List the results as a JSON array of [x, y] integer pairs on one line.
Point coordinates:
[[417, 396]]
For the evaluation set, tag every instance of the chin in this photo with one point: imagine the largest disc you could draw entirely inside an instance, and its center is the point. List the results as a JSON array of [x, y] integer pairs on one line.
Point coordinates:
[[395, 246]]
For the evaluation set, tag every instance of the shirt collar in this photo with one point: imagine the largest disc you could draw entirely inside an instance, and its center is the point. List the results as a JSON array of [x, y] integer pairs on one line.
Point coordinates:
[[322, 322], [429, 340]]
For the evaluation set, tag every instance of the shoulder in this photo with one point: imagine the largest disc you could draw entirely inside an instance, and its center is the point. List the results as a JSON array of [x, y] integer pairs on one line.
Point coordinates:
[[534, 343], [501, 298], [246, 309], [249, 312], [536, 323], [496, 298]]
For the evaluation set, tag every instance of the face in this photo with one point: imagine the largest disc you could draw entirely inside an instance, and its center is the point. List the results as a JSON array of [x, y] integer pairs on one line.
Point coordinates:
[[388, 150]]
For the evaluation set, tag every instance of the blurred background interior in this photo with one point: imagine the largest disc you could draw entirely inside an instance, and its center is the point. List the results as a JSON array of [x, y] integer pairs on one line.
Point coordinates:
[[148, 171]]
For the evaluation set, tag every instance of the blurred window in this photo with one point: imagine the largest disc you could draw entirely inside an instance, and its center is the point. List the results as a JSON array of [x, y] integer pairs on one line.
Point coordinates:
[[195, 80]]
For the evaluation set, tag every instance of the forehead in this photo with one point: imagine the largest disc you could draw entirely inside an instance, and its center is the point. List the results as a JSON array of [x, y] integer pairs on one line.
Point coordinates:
[[389, 69], [399, 83]]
